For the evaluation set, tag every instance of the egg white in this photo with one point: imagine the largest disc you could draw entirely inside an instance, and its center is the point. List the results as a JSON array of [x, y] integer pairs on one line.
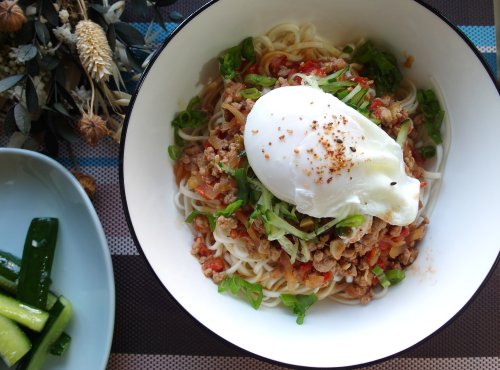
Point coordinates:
[[312, 150]]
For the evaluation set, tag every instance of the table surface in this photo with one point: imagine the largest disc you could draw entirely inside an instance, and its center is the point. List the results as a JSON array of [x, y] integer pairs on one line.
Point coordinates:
[[153, 332]]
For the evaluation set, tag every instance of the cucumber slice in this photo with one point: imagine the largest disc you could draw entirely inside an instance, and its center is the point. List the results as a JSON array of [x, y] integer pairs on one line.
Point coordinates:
[[23, 314], [36, 263], [8, 283], [61, 345], [14, 344], [10, 265], [60, 316]]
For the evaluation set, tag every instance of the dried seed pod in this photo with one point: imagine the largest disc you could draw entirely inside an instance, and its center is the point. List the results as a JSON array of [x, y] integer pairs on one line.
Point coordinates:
[[12, 16], [88, 183], [93, 49], [92, 128]]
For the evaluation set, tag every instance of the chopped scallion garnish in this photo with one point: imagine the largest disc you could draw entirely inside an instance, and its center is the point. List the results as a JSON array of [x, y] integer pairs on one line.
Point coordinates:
[[259, 80], [251, 93]]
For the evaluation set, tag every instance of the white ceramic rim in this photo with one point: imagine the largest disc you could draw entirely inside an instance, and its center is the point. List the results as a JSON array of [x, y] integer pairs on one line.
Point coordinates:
[[136, 240]]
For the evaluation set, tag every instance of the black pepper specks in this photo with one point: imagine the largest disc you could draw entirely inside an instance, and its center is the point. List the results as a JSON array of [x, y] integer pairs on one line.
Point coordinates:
[[393, 183]]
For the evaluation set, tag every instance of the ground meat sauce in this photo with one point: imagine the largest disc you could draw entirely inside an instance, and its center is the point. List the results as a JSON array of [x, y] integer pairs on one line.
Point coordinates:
[[347, 259]]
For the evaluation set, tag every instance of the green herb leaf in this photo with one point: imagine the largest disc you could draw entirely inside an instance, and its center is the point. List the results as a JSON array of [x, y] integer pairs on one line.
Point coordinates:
[[23, 119], [433, 114], [230, 209], [299, 304], [380, 66], [212, 221], [351, 221], [174, 152], [251, 291], [9, 82]]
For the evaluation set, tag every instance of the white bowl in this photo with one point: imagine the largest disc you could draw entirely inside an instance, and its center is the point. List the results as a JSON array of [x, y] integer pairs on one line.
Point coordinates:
[[462, 243], [34, 185]]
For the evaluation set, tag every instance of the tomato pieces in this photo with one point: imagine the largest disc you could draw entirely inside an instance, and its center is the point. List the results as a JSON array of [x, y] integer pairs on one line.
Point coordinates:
[[206, 191], [376, 103], [216, 264], [312, 67]]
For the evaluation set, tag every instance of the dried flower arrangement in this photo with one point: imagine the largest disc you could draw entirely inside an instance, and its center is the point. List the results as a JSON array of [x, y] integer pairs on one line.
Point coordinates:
[[66, 67], [66, 70]]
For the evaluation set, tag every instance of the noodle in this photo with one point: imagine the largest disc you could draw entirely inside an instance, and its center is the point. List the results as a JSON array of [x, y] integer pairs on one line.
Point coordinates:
[[337, 268]]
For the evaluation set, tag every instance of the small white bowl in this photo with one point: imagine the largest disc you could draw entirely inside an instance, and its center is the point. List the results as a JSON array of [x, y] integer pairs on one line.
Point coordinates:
[[463, 240], [34, 185]]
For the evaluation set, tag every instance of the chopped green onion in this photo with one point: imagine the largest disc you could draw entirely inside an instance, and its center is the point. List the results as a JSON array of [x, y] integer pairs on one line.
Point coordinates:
[[428, 151], [403, 132], [382, 279], [190, 117], [299, 304], [251, 291], [395, 276], [174, 152], [351, 221], [259, 80], [247, 50], [251, 93], [229, 62]]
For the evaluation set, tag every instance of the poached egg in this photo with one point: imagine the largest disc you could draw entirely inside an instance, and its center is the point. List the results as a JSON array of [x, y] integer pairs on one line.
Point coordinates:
[[312, 150]]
